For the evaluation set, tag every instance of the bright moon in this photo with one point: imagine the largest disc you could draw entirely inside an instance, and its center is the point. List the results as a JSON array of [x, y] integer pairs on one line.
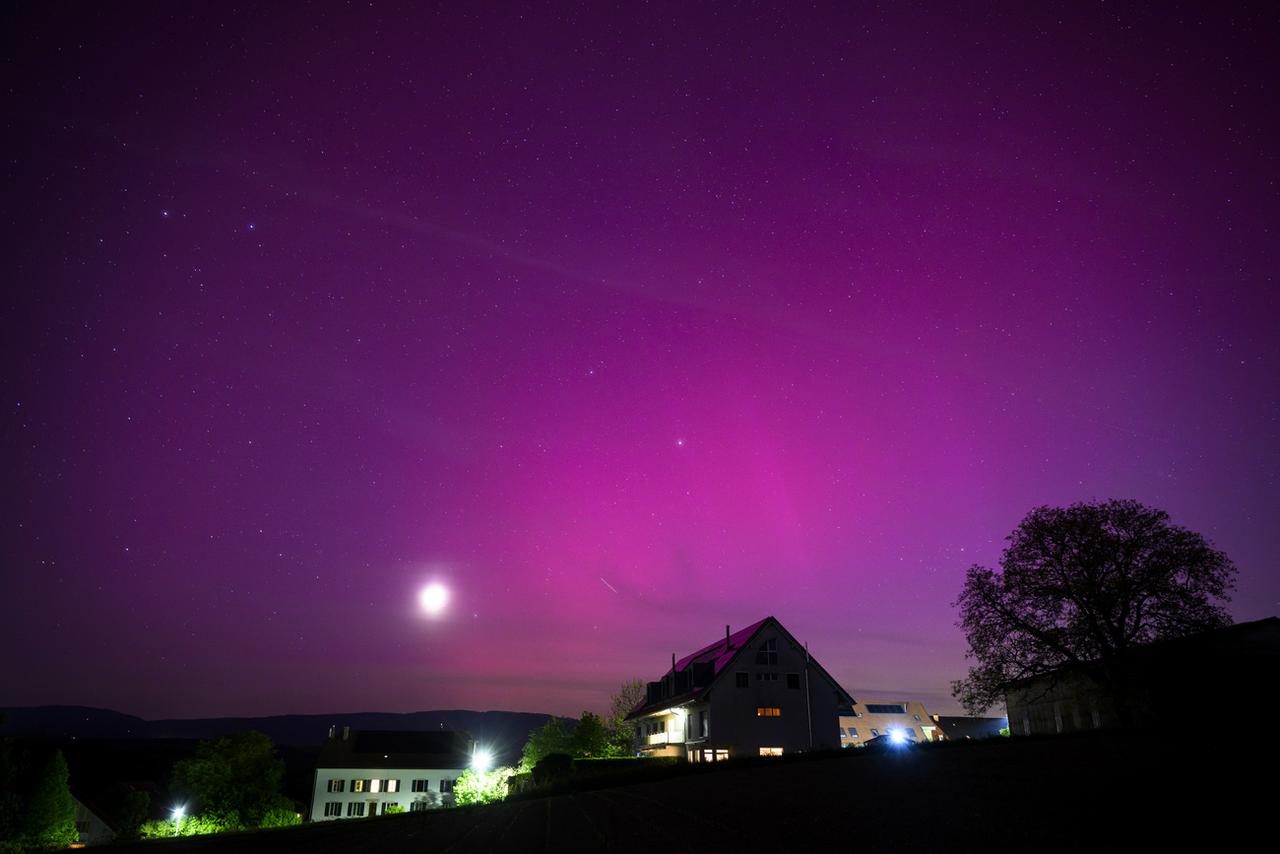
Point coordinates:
[[433, 598]]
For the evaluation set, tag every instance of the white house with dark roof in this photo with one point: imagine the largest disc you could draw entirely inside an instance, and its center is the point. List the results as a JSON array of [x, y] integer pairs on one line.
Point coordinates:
[[365, 773], [756, 692]]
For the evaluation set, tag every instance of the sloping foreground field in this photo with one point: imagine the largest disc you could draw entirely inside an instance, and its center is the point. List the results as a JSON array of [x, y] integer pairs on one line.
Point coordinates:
[[1099, 791]]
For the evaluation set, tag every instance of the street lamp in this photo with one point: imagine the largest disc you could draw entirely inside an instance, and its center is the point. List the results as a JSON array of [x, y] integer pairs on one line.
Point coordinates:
[[178, 813], [481, 760]]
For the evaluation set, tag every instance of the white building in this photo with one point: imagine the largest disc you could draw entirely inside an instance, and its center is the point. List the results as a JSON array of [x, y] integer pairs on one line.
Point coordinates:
[[754, 693], [361, 774]]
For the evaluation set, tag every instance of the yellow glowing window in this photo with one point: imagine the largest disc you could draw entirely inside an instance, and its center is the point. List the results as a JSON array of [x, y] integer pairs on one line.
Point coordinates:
[[768, 712], [771, 751]]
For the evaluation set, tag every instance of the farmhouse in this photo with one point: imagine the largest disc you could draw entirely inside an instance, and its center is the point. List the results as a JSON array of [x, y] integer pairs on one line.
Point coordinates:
[[369, 773], [756, 692]]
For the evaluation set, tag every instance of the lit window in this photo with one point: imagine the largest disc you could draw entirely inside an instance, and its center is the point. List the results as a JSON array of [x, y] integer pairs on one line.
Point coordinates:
[[771, 751], [375, 785], [357, 785], [768, 712]]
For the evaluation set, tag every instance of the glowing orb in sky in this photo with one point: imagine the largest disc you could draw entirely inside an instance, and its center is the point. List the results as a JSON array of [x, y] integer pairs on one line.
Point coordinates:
[[433, 598]]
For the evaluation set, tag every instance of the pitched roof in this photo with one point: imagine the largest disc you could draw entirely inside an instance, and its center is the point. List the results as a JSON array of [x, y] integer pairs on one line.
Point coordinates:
[[718, 654], [721, 652], [397, 749]]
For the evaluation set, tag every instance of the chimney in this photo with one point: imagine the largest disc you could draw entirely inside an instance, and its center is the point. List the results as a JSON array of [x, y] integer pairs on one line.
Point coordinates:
[[673, 665], [346, 733], [333, 730], [726, 638]]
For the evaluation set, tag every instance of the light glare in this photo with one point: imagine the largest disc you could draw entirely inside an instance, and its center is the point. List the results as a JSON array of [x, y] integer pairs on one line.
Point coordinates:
[[433, 598]]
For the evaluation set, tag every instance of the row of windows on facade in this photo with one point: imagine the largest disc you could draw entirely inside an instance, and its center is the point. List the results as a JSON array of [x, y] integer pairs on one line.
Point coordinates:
[[743, 679], [356, 809], [720, 754], [375, 785], [655, 727], [853, 732]]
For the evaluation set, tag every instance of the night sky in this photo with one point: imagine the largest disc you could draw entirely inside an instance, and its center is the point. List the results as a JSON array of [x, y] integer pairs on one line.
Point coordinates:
[[623, 323]]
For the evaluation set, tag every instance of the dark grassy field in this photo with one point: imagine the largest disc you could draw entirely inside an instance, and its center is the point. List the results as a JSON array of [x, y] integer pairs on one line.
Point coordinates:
[[1089, 793]]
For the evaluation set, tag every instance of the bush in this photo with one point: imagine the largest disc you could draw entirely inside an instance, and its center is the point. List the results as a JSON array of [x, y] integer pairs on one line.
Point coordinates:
[[481, 787], [554, 766], [191, 825], [280, 817]]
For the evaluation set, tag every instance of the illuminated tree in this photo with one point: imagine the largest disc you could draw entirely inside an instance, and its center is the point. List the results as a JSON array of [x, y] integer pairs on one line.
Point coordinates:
[[551, 737], [235, 779], [1086, 583], [51, 813]]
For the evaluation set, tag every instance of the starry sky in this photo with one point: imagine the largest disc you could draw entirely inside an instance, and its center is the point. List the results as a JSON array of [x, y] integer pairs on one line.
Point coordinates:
[[621, 321]]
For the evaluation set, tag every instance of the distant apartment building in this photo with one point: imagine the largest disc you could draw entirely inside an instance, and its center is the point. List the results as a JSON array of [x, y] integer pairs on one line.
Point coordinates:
[[874, 718], [367, 773], [756, 692]]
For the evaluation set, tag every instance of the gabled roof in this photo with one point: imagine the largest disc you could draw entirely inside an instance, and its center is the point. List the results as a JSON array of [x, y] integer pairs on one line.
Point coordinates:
[[397, 749], [719, 655]]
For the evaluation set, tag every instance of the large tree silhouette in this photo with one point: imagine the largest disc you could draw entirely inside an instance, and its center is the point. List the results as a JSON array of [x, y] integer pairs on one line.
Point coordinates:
[[1086, 583]]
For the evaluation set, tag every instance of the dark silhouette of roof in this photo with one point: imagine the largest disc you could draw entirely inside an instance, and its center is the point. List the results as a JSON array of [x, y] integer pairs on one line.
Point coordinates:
[[396, 749], [961, 727]]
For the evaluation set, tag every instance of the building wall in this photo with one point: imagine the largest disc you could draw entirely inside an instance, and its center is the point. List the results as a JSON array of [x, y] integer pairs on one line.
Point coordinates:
[[864, 724], [405, 797], [735, 722], [1069, 702], [92, 830]]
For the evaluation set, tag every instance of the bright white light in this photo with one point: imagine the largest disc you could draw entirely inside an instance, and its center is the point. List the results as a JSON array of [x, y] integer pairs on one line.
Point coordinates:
[[897, 736], [433, 598], [481, 760], [179, 812]]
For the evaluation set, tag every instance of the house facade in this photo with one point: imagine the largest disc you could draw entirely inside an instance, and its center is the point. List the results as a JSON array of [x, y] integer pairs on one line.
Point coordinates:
[[756, 692], [368, 773], [873, 718], [1159, 679]]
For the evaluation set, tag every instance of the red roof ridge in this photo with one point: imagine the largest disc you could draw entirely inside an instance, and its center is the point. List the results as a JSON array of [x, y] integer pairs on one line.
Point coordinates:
[[722, 652]]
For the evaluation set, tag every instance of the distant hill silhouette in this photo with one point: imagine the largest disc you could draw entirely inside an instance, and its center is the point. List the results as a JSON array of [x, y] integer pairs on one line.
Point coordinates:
[[503, 732]]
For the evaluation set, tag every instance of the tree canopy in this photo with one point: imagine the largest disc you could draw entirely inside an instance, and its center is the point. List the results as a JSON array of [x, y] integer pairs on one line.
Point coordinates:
[[1086, 583], [235, 779], [625, 700]]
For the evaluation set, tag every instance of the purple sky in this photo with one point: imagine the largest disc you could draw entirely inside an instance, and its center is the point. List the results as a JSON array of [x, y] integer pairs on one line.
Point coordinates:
[[626, 323]]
